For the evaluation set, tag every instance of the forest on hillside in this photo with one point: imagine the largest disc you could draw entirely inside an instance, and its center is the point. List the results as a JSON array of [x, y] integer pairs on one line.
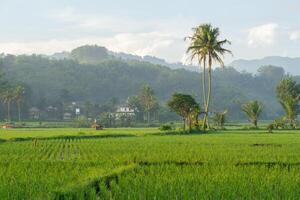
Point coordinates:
[[91, 76]]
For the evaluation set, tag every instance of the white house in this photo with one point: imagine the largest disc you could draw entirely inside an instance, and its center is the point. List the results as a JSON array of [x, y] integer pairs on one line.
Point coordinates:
[[124, 110]]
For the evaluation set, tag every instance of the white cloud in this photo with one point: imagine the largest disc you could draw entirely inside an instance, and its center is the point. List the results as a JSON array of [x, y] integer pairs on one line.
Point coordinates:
[[262, 35], [294, 35], [157, 37], [153, 43]]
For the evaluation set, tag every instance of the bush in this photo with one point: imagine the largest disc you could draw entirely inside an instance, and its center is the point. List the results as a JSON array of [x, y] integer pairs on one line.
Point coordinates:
[[250, 128], [165, 127], [270, 128]]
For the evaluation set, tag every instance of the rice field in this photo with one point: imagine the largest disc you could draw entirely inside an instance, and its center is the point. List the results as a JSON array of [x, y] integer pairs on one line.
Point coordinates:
[[146, 164]]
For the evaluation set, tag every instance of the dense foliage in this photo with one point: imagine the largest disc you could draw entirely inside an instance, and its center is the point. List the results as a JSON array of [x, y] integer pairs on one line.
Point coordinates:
[[212, 166], [288, 93], [51, 83]]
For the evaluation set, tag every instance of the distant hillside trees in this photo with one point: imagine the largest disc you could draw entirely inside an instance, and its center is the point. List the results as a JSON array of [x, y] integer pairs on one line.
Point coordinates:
[[50, 84], [89, 54]]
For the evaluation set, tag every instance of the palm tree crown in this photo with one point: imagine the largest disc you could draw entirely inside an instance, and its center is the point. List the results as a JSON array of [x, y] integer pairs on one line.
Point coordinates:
[[205, 45], [253, 110]]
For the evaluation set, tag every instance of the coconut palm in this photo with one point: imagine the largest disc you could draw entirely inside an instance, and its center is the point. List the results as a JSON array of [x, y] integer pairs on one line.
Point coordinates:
[[288, 94], [253, 110], [19, 94], [291, 108], [206, 47], [7, 97]]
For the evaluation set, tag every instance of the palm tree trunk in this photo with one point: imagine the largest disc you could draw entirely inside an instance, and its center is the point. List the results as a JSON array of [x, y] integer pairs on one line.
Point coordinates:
[[190, 124], [148, 117], [204, 92], [183, 124], [8, 111], [205, 122], [255, 123], [19, 110], [204, 83]]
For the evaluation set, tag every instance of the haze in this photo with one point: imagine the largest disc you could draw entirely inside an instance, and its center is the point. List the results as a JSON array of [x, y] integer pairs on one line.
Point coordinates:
[[256, 28]]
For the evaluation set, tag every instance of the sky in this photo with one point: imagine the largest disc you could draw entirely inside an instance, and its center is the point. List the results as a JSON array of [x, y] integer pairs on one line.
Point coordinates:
[[256, 28]]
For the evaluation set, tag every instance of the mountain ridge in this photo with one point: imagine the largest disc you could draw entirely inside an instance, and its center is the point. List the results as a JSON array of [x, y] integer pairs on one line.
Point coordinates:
[[289, 64], [122, 56]]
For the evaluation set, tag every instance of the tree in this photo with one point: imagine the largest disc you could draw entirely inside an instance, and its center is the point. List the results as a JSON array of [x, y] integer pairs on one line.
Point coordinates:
[[253, 110], [220, 118], [148, 100], [288, 94], [185, 106], [7, 97], [19, 94], [206, 47]]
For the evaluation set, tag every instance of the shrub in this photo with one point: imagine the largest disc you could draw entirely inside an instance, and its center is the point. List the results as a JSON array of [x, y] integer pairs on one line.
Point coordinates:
[[270, 128], [165, 127]]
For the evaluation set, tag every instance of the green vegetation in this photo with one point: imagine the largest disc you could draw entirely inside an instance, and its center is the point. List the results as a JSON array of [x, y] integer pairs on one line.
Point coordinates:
[[241, 164], [206, 48], [91, 89], [253, 110], [52, 85], [219, 119], [186, 107], [288, 93]]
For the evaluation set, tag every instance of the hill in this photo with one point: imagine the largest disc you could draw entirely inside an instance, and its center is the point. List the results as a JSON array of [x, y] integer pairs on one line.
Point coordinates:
[[49, 80], [290, 65], [92, 54]]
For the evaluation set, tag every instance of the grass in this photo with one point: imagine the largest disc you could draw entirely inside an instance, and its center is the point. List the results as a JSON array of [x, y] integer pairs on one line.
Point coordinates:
[[222, 165], [7, 134]]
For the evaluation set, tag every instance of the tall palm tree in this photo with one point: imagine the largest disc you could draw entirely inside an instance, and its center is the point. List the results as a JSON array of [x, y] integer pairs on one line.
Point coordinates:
[[207, 48], [7, 97], [19, 94], [253, 110]]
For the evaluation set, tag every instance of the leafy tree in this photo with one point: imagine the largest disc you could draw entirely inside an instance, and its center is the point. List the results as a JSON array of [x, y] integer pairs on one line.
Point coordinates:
[[288, 94], [185, 106], [19, 95], [253, 110], [206, 47]]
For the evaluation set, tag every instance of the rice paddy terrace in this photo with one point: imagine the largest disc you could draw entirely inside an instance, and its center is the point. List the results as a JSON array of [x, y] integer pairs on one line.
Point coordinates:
[[148, 164]]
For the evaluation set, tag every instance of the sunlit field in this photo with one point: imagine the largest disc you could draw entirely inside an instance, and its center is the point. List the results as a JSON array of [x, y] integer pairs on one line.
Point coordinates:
[[148, 164]]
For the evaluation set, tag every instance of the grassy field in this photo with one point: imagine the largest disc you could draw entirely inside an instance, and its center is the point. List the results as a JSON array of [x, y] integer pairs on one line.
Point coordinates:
[[146, 164]]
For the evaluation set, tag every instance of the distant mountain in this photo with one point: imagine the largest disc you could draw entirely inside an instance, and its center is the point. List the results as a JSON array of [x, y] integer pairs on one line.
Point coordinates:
[[94, 54], [155, 60], [290, 65], [60, 56]]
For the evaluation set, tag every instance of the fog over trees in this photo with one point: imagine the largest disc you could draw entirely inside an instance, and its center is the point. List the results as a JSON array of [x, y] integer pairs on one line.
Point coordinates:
[[92, 74]]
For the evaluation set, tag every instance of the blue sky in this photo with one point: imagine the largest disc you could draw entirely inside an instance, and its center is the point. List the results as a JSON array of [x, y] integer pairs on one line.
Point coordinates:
[[256, 28]]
